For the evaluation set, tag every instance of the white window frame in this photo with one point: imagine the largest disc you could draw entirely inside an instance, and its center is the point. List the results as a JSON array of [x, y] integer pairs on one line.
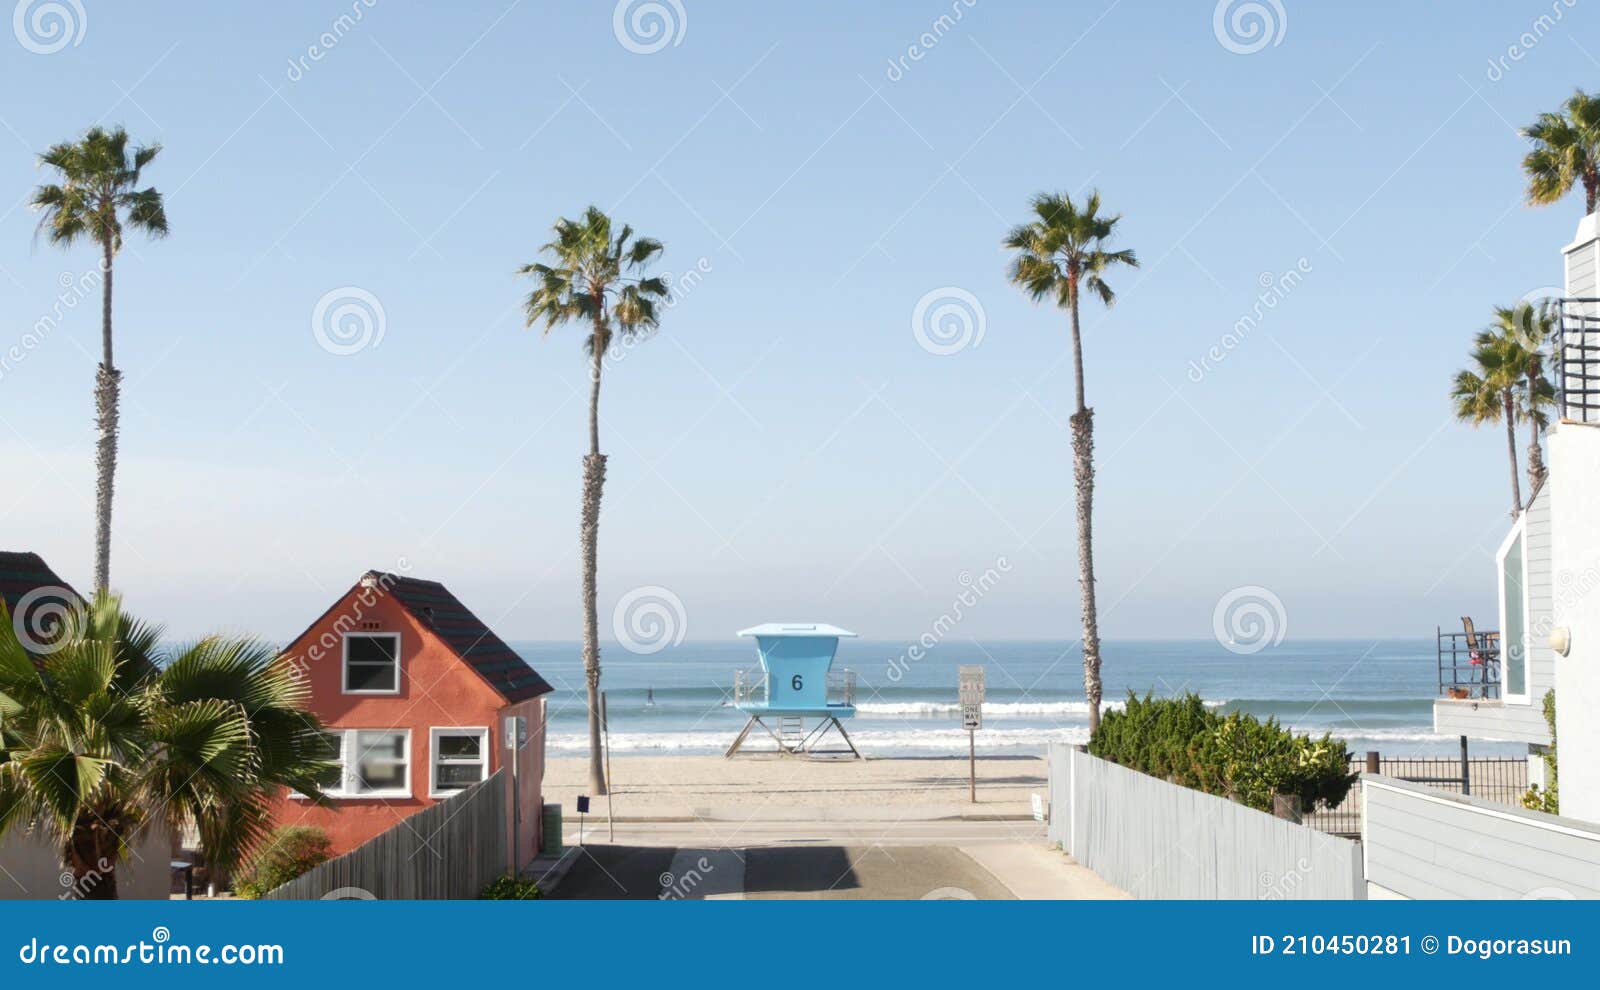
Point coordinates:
[[1519, 529], [439, 731], [349, 766], [344, 667]]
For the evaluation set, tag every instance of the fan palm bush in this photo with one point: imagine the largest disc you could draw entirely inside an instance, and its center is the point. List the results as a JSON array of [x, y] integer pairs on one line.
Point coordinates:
[[104, 734]]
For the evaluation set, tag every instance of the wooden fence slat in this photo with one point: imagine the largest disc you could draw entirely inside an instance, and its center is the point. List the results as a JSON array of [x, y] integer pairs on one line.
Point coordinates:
[[449, 851]]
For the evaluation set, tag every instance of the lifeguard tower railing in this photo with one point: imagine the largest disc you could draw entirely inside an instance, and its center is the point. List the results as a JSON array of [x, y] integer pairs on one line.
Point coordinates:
[[750, 687]]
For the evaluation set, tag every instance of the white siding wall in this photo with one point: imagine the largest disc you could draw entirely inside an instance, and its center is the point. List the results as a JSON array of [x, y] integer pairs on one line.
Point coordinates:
[[1575, 492], [1422, 843]]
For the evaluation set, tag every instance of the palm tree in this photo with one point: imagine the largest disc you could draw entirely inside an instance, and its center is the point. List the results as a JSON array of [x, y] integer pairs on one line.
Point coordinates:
[[1060, 252], [1528, 327], [103, 734], [1566, 151], [598, 278], [97, 198], [1488, 394]]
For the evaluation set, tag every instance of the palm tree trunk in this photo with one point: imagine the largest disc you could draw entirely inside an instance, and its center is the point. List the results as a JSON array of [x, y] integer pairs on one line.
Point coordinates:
[[594, 479], [1536, 470], [1083, 477], [1511, 445], [107, 398]]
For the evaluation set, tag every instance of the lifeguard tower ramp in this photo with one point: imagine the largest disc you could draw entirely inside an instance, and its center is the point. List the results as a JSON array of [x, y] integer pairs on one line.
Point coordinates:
[[795, 683]]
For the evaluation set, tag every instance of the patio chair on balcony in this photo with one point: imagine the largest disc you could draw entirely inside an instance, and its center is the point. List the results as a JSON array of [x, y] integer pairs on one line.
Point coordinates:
[[1480, 652]]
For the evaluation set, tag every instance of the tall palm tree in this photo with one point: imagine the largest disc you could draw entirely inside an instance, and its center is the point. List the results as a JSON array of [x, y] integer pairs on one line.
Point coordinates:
[[1528, 327], [597, 277], [97, 198], [103, 735], [1487, 393], [1566, 152], [1061, 252]]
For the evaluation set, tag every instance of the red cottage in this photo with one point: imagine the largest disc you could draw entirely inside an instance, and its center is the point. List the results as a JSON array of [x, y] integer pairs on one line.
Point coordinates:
[[414, 690]]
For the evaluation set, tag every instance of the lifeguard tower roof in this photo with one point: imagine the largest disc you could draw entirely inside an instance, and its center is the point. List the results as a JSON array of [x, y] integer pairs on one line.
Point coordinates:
[[787, 629]]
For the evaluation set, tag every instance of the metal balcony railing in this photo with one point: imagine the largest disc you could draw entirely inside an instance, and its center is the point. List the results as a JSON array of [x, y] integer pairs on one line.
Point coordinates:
[[1575, 353], [1469, 665], [749, 687], [842, 687]]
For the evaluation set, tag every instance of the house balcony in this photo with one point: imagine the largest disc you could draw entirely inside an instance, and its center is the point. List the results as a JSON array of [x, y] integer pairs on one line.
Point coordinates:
[[1469, 665], [1575, 354]]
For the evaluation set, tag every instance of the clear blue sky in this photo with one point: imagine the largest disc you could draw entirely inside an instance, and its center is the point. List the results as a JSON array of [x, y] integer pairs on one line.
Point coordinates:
[[786, 448]]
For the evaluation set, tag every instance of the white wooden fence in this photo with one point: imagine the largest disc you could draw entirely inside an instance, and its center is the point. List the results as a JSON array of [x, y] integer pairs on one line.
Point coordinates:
[[1424, 843], [449, 851], [1159, 840]]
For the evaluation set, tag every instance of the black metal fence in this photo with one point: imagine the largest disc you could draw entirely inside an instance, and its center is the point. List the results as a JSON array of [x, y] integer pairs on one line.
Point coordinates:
[[1576, 350], [1500, 779]]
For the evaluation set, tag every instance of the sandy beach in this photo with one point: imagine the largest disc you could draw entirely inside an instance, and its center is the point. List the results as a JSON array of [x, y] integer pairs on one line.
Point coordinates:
[[778, 788]]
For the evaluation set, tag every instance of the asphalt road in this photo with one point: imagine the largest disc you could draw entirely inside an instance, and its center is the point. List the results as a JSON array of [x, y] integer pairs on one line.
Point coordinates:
[[812, 872]]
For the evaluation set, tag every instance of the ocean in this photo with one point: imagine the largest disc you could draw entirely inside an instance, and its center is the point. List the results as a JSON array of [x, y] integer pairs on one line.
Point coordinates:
[[1377, 695]]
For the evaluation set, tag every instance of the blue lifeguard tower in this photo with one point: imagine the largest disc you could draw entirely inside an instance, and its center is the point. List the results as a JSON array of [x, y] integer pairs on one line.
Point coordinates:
[[796, 682]]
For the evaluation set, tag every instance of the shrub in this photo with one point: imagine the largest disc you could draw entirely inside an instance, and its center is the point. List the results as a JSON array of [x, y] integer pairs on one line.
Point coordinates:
[[1239, 757], [1156, 736], [287, 853], [1548, 798], [510, 888]]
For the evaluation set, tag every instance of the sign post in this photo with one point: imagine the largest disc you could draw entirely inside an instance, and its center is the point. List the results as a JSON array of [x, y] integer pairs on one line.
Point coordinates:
[[611, 785], [971, 693]]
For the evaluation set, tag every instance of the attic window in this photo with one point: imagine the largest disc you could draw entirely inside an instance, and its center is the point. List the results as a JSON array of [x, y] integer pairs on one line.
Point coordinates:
[[372, 663]]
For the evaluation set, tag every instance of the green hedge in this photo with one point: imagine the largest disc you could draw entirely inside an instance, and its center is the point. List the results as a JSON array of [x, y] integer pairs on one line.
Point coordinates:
[[1237, 756]]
